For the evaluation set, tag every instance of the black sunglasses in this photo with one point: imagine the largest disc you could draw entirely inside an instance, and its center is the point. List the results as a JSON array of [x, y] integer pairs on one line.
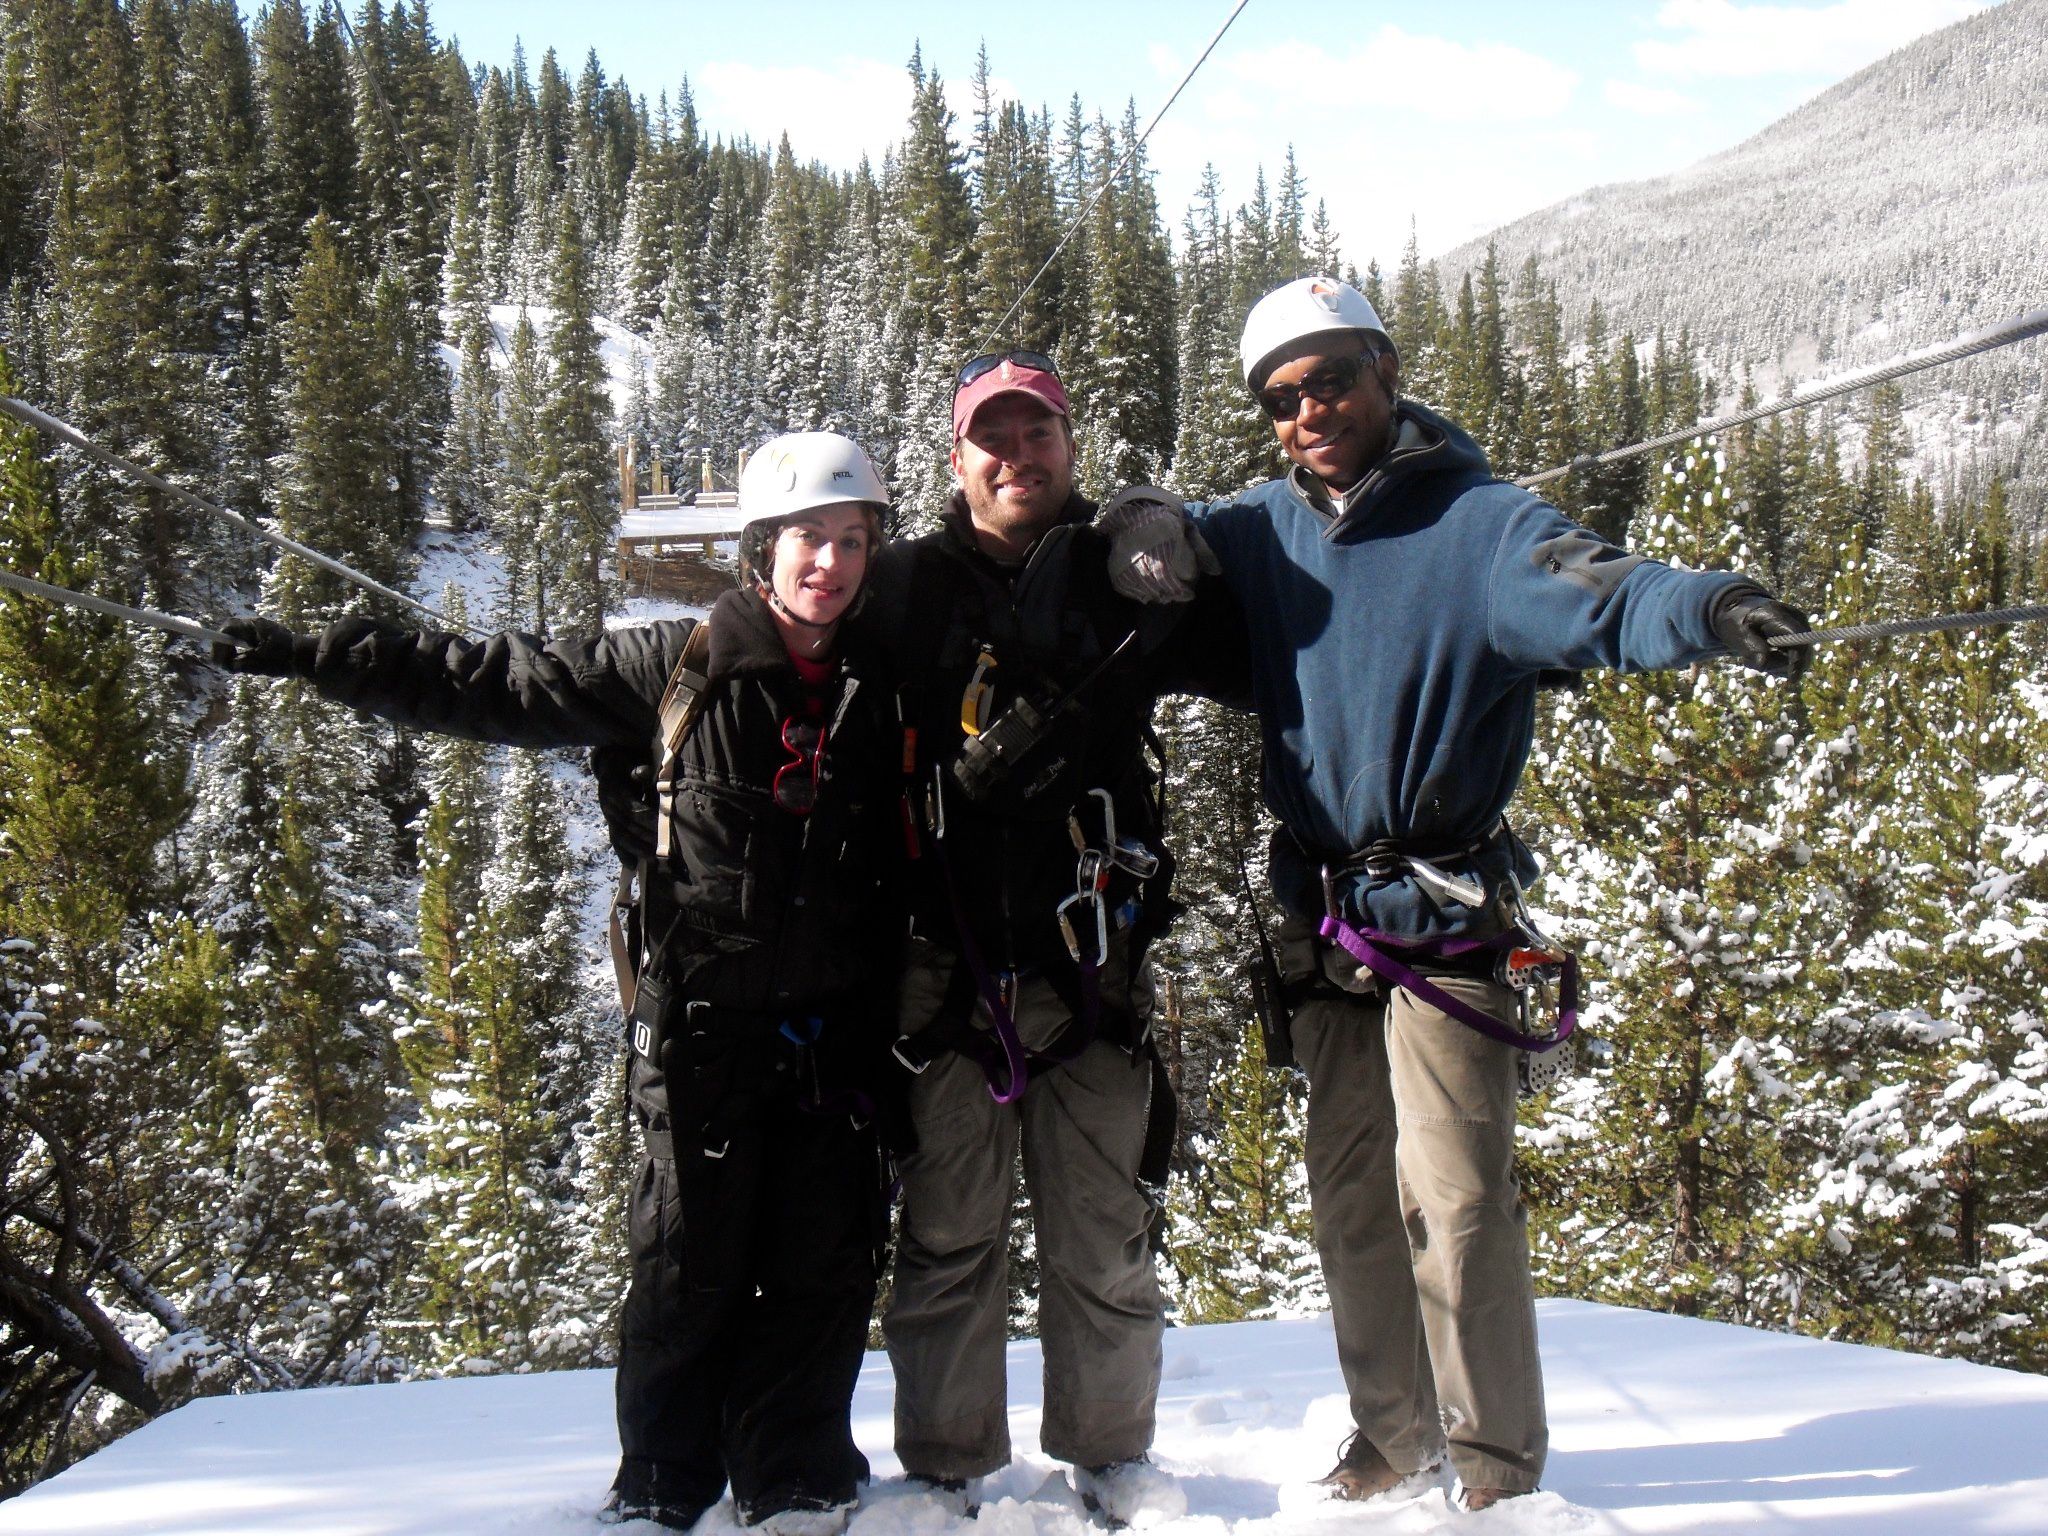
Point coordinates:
[[1334, 378], [988, 362]]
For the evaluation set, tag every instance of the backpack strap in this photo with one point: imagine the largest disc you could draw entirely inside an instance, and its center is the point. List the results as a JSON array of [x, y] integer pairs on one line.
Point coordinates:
[[682, 701]]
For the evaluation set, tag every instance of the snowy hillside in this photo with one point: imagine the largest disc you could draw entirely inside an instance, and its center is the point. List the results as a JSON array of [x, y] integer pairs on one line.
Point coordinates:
[[627, 357], [1906, 205], [1659, 1424]]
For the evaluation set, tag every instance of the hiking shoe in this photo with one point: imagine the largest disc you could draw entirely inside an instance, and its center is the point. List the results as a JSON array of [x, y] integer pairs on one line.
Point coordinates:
[[958, 1496], [802, 1520], [618, 1509], [1132, 1492], [1363, 1473], [1476, 1499]]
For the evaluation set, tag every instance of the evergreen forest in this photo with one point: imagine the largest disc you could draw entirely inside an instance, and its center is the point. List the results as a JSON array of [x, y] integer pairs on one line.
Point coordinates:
[[309, 1068]]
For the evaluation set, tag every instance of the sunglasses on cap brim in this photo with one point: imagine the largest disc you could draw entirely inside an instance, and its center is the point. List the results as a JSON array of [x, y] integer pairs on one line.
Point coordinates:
[[988, 362]]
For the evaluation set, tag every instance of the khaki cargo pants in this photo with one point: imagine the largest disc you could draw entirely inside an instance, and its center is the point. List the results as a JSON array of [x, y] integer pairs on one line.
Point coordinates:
[[1100, 1316], [1419, 1221]]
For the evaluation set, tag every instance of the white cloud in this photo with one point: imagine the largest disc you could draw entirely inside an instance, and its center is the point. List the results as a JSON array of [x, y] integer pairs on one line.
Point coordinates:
[[829, 114], [1399, 74], [1392, 125], [1649, 100], [1727, 40]]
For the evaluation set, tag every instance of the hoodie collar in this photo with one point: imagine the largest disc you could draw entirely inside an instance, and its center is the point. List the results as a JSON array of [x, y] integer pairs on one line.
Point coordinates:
[[745, 637], [1426, 444]]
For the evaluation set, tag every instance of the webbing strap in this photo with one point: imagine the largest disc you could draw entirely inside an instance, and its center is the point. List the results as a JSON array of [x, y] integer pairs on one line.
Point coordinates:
[[1364, 947], [623, 972], [1016, 1069], [682, 701]]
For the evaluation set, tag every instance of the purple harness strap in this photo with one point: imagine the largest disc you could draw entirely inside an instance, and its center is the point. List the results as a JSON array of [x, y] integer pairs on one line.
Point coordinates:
[[1016, 1069], [1364, 946]]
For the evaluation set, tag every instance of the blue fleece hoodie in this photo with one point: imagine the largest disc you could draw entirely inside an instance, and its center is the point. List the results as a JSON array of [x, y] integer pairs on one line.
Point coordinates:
[[1395, 648]]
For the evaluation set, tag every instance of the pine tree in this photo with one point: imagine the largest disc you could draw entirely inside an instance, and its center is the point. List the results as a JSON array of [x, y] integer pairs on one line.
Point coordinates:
[[576, 459], [309, 149], [1242, 1241], [339, 489], [472, 443], [1668, 783], [108, 1056], [1123, 380], [113, 257], [937, 216]]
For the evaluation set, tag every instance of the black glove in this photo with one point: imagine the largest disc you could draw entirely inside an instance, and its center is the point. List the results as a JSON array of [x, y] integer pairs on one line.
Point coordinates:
[[263, 647], [1745, 619]]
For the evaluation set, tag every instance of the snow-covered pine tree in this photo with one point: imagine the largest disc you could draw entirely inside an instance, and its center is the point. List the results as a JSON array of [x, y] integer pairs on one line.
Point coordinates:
[[471, 459], [1660, 799], [1124, 365], [104, 1063], [518, 486], [339, 489], [1931, 1193], [578, 509], [1240, 1237]]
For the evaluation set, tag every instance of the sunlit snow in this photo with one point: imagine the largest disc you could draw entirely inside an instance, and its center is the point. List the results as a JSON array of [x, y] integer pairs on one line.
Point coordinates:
[[1658, 1424]]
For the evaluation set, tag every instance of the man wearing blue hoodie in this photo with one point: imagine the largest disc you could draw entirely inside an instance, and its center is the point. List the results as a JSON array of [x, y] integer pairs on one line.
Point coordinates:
[[1402, 604]]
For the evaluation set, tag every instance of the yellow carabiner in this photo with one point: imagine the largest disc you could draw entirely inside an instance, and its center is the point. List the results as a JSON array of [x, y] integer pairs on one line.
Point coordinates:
[[974, 702]]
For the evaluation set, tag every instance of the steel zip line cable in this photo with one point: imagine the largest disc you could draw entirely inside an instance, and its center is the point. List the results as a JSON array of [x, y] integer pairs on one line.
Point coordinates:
[[42, 421], [1934, 624], [1129, 155], [155, 620], [2033, 323]]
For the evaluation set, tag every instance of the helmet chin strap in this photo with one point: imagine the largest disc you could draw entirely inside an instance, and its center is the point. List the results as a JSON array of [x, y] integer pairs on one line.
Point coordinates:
[[774, 600]]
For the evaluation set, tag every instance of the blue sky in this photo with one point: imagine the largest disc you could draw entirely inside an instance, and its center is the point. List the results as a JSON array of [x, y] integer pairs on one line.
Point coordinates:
[[1461, 114]]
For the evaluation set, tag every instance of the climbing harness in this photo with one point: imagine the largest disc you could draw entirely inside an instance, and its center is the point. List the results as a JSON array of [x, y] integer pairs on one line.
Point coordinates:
[[1523, 960]]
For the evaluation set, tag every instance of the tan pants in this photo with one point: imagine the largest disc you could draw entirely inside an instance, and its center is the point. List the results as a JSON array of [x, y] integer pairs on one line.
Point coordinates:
[[1100, 1317], [1420, 1224]]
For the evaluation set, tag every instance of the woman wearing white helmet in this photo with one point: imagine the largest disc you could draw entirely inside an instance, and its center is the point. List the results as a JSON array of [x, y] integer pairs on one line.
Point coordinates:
[[749, 786]]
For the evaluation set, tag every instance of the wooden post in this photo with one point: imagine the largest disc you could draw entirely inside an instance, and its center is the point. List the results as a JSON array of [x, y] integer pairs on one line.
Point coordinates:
[[628, 500], [654, 482]]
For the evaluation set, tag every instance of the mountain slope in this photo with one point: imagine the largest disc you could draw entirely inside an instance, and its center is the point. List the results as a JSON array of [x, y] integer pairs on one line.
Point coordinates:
[[1906, 205]]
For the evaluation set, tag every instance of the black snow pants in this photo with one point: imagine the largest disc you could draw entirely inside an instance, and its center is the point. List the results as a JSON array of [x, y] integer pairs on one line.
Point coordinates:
[[754, 1276]]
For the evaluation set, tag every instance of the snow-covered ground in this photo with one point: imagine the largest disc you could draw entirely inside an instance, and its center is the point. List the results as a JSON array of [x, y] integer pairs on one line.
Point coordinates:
[[1659, 1424], [625, 354]]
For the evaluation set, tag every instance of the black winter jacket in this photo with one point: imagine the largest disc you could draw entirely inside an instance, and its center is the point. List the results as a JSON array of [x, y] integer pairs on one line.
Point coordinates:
[[933, 604], [757, 908]]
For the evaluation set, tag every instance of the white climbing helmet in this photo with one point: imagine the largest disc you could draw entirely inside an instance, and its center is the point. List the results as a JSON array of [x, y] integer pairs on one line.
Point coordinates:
[[801, 470], [1308, 306]]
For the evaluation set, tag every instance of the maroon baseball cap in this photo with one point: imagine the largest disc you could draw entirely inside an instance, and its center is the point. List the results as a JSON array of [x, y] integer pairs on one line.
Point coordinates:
[[1004, 374]]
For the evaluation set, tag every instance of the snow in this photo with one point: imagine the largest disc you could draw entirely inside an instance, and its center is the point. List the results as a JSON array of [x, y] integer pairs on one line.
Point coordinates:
[[1659, 1424], [680, 522], [624, 353]]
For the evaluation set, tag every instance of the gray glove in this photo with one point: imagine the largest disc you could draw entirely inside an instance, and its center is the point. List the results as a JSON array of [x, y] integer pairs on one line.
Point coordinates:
[[1745, 618], [264, 648], [1155, 554]]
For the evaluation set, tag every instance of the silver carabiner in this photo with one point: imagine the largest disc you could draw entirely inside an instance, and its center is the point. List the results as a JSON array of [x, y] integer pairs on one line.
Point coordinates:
[[1467, 893], [1101, 926], [1108, 817], [935, 804]]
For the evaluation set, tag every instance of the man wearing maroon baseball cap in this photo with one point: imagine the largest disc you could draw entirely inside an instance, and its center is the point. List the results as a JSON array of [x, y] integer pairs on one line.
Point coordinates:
[[1013, 450], [1037, 879]]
